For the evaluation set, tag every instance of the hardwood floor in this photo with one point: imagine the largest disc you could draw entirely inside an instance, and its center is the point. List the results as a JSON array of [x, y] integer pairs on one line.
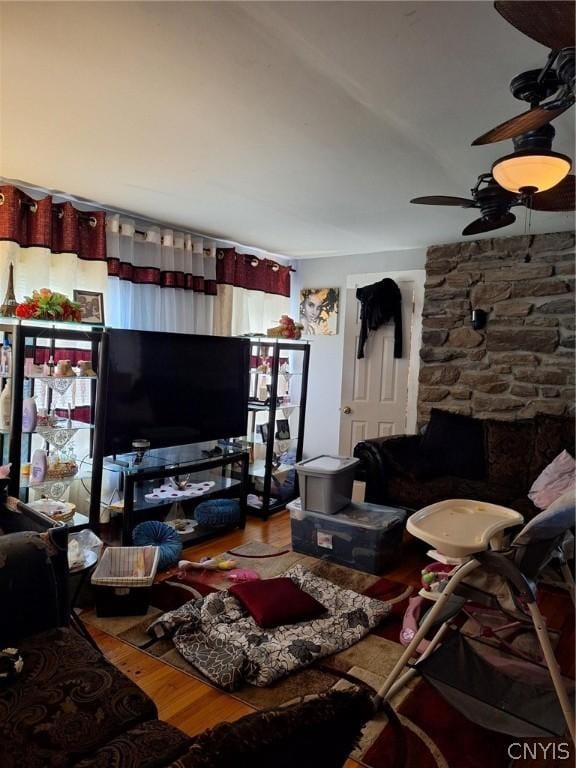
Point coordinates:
[[194, 706], [182, 700]]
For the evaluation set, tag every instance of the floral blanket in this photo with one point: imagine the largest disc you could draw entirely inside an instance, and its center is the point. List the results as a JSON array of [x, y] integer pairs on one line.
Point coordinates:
[[217, 636]]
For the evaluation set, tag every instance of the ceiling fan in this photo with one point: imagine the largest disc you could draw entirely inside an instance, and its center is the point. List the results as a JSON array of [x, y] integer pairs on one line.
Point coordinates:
[[495, 202], [550, 23]]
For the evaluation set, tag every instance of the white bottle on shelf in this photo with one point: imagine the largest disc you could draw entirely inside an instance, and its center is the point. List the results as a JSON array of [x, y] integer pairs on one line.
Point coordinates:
[[29, 415], [39, 466], [6, 405], [6, 358]]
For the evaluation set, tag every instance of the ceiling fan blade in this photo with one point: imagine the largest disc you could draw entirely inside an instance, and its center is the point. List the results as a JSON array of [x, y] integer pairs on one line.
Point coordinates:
[[486, 224], [444, 200], [550, 23], [528, 121], [559, 198]]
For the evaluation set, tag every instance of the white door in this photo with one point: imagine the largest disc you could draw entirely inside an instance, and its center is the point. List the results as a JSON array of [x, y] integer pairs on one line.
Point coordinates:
[[379, 392]]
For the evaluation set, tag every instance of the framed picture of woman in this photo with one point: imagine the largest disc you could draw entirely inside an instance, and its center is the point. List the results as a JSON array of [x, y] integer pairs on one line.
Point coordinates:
[[319, 311]]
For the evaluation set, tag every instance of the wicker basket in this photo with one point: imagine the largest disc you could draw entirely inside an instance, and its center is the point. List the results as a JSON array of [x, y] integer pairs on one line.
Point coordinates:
[[127, 567], [123, 579], [61, 469]]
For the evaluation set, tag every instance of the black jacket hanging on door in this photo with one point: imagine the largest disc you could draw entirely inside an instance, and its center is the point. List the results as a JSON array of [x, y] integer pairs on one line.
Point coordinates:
[[380, 303]]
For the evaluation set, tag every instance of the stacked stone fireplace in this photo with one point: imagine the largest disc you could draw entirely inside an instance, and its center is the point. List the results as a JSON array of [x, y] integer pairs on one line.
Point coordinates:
[[522, 362]]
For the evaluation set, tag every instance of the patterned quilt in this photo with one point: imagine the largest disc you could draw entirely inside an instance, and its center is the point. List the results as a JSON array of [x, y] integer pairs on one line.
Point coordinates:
[[217, 636]]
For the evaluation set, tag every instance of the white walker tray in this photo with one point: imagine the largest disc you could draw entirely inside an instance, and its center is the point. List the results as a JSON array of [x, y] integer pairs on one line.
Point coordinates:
[[460, 527]]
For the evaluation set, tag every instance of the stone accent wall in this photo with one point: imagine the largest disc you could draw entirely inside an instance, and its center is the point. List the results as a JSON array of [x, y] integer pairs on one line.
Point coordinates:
[[522, 362]]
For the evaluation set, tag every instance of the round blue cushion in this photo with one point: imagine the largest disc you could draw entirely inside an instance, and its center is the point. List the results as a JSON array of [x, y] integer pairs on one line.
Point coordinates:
[[161, 536], [218, 512]]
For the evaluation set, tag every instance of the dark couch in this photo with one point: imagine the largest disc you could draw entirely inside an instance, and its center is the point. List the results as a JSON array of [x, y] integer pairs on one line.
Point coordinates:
[[71, 708], [462, 457]]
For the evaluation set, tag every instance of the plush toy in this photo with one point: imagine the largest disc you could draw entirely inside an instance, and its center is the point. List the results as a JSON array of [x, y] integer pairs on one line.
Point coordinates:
[[208, 563], [435, 576], [240, 575]]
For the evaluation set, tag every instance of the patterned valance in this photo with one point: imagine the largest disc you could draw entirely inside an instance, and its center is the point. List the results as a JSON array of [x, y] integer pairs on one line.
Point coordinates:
[[244, 271], [62, 228], [59, 227]]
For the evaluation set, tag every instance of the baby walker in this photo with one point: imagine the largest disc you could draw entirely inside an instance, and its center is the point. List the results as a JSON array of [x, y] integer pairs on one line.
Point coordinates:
[[483, 680]]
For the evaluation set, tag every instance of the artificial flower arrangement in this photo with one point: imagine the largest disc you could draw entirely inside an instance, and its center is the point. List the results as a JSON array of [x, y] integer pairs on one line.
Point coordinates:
[[286, 329], [49, 305]]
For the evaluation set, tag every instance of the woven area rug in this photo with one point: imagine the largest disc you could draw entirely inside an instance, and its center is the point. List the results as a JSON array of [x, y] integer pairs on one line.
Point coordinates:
[[434, 734]]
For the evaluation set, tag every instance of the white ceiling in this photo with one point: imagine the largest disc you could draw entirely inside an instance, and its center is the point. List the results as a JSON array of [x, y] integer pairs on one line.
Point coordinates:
[[303, 128]]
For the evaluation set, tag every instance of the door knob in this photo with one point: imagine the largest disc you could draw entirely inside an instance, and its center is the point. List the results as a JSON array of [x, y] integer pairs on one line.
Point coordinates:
[[347, 410]]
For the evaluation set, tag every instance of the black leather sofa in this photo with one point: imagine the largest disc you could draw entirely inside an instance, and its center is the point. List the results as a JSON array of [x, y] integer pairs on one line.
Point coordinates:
[[463, 457]]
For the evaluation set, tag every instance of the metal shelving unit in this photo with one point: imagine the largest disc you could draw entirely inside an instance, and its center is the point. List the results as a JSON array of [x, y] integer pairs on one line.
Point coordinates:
[[278, 389], [37, 340]]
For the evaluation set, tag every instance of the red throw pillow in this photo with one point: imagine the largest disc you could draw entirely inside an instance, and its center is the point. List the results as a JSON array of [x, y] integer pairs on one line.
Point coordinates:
[[272, 602]]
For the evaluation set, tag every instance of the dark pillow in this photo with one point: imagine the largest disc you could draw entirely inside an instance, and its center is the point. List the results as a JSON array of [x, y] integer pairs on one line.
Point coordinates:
[[506, 444], [454, 445], [320, 732], [273, 602], [553, 434]]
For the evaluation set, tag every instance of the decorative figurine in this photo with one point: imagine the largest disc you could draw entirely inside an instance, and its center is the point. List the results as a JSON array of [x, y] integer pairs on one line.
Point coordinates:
[[8, 307]]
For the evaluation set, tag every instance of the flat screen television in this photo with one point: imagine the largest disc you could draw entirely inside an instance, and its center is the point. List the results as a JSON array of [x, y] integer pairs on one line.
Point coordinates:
[[174, 388]]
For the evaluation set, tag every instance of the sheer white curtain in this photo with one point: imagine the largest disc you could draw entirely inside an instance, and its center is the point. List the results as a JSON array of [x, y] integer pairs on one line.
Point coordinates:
[[255, 312], [51, 245], [160, 280], [36, 267], [253, 293]]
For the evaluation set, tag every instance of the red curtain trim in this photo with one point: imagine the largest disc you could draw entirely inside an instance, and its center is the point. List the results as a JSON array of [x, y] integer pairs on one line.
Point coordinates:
[[63, 229], [57, 226], [78, 413], [163, 279], [244, 271], [172, 279]]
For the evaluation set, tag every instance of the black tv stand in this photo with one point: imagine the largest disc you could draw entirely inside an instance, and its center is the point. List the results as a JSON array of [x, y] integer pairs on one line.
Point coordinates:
[[138, 479]]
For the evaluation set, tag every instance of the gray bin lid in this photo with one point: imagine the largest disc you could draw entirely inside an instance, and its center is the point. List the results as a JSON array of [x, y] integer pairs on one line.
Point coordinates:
[[326, 465]]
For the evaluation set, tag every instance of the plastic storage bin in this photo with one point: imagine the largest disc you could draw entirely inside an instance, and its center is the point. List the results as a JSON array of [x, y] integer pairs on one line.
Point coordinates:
[[326, 483], [366, 537], [123, 580]]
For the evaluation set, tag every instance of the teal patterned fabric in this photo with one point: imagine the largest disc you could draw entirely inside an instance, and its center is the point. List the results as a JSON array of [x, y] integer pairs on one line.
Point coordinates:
[[162, 536], [218, 512]]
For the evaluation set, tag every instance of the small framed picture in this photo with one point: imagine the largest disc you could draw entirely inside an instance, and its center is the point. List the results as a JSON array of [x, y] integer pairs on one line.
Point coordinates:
[[282, 429], [91, 306], [263, 430], [319, 308]]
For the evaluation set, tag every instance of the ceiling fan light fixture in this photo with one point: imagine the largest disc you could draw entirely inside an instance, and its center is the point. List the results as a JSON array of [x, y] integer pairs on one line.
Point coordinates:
[[531, 170]]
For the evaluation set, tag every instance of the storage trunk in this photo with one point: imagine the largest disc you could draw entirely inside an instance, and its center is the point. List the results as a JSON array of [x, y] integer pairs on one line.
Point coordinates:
[[366, 537]]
